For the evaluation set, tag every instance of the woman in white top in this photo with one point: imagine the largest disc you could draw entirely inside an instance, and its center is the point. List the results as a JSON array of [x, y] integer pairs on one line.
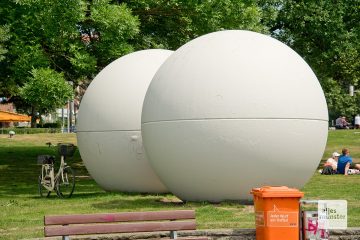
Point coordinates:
[[333, 161]]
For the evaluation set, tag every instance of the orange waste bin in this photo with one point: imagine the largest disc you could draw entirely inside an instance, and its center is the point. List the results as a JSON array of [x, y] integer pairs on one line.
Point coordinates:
[[277, 213]]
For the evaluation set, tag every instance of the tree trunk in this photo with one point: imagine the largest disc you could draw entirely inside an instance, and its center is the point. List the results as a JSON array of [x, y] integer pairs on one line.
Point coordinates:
[[33, 117]]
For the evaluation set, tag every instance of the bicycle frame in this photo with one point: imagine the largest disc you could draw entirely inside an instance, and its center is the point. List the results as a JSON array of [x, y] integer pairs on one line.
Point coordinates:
[[48, 169]]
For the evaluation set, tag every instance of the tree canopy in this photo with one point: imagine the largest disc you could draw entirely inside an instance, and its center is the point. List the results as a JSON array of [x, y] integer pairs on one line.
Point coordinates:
[[4, 36], [170, 24], [74, 37], [45, 91], [327, 35]]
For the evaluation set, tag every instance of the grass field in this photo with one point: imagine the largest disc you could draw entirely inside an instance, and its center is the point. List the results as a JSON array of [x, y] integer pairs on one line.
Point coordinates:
[[22, 210]]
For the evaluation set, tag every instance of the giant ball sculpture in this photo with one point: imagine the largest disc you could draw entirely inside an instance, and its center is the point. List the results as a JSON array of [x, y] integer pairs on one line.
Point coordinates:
[[230, 111], [109, 122]]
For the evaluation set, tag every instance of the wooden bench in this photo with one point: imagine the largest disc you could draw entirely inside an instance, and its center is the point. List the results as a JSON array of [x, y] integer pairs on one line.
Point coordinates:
[[126, 222]]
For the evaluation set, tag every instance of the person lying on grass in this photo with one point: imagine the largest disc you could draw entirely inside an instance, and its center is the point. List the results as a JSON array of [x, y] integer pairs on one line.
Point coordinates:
[[345, 163]]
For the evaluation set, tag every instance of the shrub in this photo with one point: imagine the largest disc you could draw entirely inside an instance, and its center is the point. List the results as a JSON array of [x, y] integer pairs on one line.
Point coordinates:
[[26, 130]]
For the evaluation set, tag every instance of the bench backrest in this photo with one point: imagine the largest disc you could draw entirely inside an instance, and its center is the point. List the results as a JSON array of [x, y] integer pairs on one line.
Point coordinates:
[[103, 223]]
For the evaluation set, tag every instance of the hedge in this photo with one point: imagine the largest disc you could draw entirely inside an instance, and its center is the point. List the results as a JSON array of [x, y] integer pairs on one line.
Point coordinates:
[[29, 130]]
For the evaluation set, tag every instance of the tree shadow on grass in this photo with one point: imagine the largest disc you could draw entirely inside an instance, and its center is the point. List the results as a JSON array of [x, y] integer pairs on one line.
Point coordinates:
[[138, 204], [19, 174], [19, 170], [160, 202]]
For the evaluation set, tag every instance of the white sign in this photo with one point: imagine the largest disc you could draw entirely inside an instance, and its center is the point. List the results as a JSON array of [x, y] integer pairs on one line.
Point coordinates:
[[332, 214]]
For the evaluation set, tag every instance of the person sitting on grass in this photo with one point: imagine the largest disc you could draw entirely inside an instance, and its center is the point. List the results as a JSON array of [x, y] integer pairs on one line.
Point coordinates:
[[345, 163], [330, 166], [341, 123]]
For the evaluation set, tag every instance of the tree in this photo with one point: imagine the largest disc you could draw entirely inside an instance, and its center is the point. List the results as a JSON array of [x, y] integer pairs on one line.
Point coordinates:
[[75, 37], [170, 24], [327, 35], [339, 102], [4, 36], [45, 91]]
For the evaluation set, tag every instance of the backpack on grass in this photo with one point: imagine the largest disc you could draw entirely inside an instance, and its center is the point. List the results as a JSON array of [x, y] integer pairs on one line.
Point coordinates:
[[328, 170]]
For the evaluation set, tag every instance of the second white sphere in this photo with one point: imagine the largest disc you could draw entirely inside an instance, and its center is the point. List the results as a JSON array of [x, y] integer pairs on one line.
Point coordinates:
[[109, 121]]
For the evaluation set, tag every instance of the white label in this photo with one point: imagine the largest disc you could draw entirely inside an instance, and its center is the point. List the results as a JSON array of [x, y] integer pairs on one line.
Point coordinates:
[[332, 214]]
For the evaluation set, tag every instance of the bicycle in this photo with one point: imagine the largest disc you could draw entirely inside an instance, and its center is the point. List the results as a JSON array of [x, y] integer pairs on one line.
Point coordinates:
[[63, 182]]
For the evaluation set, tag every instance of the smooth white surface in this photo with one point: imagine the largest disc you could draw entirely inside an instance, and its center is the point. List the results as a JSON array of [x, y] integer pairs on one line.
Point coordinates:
[[109, 121], [224, 159], [117, 161], [234, 74], [230, 111], [114, 99]]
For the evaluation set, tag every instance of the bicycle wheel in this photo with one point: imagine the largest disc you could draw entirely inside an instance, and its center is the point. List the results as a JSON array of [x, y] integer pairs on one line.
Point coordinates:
[[66, 183], [42, 190]]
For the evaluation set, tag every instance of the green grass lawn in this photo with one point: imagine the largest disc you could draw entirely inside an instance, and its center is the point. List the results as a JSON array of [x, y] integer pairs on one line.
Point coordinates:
[[22, 210]]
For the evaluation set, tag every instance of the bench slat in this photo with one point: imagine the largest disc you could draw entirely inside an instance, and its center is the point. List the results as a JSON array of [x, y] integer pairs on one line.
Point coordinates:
[[118, 228], [191, 238], [119, 217]]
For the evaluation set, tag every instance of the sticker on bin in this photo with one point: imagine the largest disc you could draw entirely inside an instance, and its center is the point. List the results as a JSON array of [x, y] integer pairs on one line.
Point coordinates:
[[311, 227], [282, 219], [332, 214], [259, 219]]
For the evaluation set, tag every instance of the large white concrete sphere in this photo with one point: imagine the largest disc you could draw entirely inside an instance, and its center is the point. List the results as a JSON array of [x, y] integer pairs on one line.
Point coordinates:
[[230, 111], [109, 122]]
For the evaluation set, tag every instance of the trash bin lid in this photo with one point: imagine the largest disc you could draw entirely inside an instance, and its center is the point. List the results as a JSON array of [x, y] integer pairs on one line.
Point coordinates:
[[283, 191]]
